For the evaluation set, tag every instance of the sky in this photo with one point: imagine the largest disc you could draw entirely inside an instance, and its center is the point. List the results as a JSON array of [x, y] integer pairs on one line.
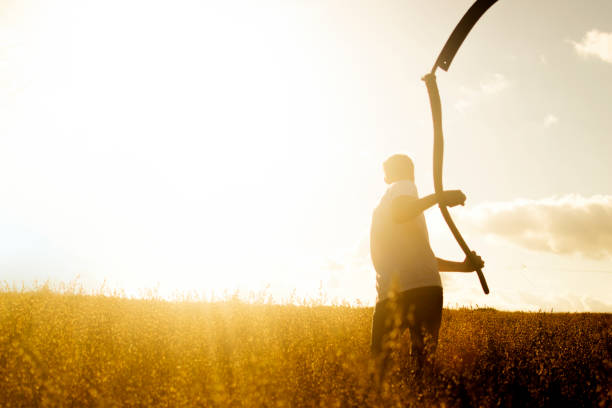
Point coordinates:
[[209, 147]]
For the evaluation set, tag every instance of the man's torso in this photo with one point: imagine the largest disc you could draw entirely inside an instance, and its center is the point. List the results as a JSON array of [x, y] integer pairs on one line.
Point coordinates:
[[401, 253]]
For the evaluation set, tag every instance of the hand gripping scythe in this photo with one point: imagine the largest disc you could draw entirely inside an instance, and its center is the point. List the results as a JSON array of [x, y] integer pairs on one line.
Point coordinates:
[[444, 60]]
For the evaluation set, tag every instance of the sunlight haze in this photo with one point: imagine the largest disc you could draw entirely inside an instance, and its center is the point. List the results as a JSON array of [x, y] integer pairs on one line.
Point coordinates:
[[216, 146]]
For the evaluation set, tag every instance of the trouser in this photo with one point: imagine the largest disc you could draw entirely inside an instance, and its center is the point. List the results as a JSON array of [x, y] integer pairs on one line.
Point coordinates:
[[419, 310]]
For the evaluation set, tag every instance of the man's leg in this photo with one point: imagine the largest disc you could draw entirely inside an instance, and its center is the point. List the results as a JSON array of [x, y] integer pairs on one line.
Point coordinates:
[[431, 323], [424, 325], [417, 347], [379, 331]]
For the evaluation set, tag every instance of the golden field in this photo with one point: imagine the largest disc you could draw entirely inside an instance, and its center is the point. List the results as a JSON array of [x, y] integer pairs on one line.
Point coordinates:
[[72, 349]]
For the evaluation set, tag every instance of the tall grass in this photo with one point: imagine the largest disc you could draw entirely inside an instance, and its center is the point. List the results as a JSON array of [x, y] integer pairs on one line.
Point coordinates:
[[71, 349]]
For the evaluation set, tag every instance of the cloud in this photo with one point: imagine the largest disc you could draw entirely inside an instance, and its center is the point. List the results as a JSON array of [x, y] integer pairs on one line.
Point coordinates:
[[494, 83], [463, 104], [469, 96], [350, 274], [491, 84], [595, 43], [464, 291], [561, 302], [570, 224], [550, 120]]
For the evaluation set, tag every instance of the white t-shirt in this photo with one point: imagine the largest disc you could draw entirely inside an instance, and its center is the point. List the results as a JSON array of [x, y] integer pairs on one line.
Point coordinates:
[[400, 252]]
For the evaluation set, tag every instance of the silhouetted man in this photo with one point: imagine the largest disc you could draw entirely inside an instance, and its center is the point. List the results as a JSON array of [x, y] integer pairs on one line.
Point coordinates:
[[407, 271]]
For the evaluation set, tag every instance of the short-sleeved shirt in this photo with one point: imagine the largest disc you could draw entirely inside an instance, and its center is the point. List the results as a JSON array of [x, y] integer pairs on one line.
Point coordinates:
[[401, 253]]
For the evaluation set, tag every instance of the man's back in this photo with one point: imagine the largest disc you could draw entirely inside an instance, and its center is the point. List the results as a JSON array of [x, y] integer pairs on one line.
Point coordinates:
[[401, 253]]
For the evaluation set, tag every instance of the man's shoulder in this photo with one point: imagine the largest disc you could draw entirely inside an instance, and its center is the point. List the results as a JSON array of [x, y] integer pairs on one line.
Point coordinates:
[[402, 188], [397, 189]]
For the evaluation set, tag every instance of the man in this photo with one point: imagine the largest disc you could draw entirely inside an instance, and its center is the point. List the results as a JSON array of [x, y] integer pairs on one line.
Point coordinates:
[[407, 272]]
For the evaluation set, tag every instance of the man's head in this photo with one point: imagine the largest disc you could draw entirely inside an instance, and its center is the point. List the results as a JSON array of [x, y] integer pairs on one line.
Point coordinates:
[[398, 167]]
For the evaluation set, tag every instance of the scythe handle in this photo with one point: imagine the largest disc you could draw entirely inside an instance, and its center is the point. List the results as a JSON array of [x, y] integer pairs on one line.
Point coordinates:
[[438, 153]]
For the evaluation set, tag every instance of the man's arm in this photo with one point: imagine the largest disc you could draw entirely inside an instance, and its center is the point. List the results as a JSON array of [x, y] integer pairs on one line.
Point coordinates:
[[465, 266], [405, 208]]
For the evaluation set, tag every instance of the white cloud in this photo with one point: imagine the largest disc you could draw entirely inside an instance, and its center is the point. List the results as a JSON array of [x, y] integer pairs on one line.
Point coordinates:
[[550, 120], [570, 224], [463, 104], [491, 84], [459, 294], [494, 83], [595, 43], [350, 274], [556, 302]]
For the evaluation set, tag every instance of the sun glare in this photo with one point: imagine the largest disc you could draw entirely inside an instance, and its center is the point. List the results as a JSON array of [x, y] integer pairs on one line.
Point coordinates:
[[187, 145]]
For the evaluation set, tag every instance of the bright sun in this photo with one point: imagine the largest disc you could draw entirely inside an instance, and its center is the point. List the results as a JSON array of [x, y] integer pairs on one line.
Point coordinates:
[[195, 146]]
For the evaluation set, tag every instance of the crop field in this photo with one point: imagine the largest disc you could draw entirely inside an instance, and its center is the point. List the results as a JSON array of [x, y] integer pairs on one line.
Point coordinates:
[[77, 350]]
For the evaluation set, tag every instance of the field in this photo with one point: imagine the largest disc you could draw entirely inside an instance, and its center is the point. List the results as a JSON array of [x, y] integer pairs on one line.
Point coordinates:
[[73, 349]]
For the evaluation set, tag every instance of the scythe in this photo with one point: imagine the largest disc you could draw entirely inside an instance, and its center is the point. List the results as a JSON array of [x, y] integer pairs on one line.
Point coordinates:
[[444, 61]]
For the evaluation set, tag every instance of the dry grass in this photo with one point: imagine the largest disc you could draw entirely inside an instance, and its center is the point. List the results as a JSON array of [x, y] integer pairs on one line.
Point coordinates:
[[76, 350]]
